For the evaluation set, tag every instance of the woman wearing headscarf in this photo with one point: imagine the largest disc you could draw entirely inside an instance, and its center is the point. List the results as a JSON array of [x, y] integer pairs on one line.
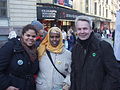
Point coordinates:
[[19, 62], [48, 77]]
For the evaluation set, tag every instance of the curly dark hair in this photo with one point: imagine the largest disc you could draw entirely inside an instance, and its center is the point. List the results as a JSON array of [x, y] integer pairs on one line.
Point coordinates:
[[27, 27]]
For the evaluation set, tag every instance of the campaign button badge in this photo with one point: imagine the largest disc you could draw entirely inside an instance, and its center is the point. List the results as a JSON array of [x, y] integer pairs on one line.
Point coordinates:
[[93, 54], [20, 62]]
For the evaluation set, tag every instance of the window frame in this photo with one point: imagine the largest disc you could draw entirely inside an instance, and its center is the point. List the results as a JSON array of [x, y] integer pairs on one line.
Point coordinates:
[[3, 14]]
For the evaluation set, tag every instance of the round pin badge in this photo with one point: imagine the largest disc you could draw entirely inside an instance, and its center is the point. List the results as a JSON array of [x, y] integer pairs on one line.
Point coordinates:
[[59, 62], [93, 54], [20, 62]]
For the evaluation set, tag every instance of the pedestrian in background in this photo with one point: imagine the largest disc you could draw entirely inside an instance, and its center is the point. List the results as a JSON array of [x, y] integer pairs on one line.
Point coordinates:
[[54, 73], [71, 39], [97, 34], [41, 32], [113, 37], [18, 61], [64, 35], [94, 66], [12, 34]]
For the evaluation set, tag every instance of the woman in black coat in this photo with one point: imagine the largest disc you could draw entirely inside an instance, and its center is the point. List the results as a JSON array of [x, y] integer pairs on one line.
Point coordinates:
[[18, 61]]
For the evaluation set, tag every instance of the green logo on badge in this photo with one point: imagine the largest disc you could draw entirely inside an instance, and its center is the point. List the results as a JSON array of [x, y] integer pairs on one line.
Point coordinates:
[[93, 54]]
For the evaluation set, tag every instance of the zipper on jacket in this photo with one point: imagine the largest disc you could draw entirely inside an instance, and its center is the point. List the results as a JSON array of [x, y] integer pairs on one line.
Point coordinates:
[[85, 51]]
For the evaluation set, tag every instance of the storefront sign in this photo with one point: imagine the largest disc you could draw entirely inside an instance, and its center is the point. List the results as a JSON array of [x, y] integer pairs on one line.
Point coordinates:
[[61, 2], [56, 13], [48, 13], [68, 3], [71, 16]]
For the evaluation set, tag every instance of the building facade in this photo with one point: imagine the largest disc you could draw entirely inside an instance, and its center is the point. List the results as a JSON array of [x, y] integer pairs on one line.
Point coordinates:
[[56, 13], [103, 11], [115, 6], [15, 14]]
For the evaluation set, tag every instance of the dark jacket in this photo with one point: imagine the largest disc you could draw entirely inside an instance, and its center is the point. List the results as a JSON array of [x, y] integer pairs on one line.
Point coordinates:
[[16, 68], [38, 41], [94, 66]]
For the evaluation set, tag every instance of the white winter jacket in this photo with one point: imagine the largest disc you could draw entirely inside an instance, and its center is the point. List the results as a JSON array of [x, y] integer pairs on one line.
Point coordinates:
[[48, 77]]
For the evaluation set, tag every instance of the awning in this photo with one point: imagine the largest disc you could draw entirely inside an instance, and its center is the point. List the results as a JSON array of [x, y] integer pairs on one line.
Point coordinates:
[[56, 13]]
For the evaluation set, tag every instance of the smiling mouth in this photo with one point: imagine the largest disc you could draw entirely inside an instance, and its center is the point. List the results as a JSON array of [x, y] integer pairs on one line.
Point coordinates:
[[83, 35], [54, 42], [30, 42]]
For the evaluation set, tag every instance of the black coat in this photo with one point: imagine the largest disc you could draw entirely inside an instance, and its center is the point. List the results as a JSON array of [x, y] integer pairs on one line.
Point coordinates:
[[16, 69], [94, 67]]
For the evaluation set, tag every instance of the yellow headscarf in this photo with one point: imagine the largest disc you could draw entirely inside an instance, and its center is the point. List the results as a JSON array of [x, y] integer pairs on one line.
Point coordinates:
[[45, 44]]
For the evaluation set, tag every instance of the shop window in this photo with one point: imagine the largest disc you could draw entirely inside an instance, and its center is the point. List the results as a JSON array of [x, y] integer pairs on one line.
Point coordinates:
[[87, 6], [3, 8], [87, 10], [103, 11], [106, 1], [106, 13], [100, 10], [95, 8]]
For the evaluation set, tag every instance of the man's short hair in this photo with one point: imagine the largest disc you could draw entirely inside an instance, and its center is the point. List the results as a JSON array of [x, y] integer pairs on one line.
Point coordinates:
[[83, 18]]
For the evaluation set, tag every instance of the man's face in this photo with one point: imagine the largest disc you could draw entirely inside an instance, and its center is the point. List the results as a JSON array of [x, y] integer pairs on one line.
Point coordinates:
[[54, 39], [83, 30], [41, 32]]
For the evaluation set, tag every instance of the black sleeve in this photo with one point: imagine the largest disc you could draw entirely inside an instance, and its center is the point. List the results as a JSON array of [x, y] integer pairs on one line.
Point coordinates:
[[111, 67], [6, 52]]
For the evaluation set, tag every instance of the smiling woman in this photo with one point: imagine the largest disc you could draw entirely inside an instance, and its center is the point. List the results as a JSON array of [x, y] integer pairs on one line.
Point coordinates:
[[54, 38], [29, 35], [18, 61], [50, 78]]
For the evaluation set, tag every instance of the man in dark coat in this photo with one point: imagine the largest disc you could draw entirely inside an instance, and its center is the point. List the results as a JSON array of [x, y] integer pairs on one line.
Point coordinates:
[[94, 66]]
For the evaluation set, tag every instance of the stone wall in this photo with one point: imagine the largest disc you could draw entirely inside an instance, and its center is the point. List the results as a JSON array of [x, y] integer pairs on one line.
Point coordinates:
[[20, 13]]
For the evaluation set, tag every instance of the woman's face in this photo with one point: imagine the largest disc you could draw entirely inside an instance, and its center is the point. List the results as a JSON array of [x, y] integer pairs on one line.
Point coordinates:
[[54, 39], [29, 37]]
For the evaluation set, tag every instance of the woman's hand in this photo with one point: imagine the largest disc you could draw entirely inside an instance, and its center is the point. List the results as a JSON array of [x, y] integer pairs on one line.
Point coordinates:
[[12, 88]]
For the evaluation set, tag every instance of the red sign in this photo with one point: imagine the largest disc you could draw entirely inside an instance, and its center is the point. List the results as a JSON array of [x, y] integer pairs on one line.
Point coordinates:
[[61, 2]]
